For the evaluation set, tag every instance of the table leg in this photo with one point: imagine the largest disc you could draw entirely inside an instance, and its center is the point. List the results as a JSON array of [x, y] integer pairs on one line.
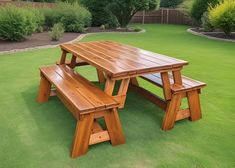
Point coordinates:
[[171, 112], [166, 85], [121, 96], [73, 62], [177, 77], [63, 57], [100, 75], [134, 81]]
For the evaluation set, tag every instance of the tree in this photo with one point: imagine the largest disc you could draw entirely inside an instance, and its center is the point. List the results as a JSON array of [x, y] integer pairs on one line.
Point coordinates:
[[124, 10], [170, 3], [100, 13], [199, 7]]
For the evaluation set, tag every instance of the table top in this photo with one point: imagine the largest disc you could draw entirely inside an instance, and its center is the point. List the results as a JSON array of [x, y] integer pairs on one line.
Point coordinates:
[[120, 60]]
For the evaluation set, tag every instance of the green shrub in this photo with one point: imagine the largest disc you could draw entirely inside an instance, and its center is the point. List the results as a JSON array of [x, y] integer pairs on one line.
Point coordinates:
[[199, 7], [39, 19], [102, 27], [73, 16], [101, 15], [16, 23], [170, 3], [56, 32], [222, 16], [206, 23]]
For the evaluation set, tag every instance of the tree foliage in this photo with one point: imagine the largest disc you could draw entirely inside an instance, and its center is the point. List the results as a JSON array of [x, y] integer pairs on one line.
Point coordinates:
[[222, 16], [170, 3], [199, 7], [124, 10]]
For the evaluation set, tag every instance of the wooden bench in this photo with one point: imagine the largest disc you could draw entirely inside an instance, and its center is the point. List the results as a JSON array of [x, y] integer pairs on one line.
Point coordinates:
[[86, 102], [173, 96]]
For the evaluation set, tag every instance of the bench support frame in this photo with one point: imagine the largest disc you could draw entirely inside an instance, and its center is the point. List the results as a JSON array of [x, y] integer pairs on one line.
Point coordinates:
[[88, 131], [171, 106]]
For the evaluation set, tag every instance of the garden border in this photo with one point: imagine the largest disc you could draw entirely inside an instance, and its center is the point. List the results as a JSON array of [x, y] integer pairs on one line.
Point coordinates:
[[209, 37], [80, 37]]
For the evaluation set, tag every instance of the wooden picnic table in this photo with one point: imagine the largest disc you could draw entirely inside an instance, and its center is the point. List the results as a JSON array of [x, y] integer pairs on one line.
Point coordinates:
[[115, 61]]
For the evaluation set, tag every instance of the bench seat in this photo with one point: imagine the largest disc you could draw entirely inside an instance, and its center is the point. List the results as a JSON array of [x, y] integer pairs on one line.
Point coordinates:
[[86, 102], [187, 83], [173, 95], [77, 90]]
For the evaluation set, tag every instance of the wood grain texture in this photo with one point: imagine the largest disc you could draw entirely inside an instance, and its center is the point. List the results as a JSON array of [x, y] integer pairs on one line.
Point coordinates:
[[114, 127], [77, 90], [82, 135], [44, 90], [119, 60]]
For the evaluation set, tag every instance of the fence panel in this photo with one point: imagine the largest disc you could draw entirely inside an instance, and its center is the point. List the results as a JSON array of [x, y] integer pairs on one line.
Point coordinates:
[[168, 16]]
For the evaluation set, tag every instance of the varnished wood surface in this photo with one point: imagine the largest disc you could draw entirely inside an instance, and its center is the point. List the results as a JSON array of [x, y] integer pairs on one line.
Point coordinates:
[[187, 83], [119, 60], [77, 90]]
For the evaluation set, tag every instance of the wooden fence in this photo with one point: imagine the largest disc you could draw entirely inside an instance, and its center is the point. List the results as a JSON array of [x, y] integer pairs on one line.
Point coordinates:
[[163, 15]]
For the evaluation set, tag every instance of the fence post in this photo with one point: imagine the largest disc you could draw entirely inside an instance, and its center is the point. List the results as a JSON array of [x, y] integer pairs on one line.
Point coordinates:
[[167, 16], [143, 19]]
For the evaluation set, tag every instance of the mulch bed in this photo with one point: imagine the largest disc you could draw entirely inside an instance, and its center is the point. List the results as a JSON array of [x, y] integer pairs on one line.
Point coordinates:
[[42, 39], [216, 34]]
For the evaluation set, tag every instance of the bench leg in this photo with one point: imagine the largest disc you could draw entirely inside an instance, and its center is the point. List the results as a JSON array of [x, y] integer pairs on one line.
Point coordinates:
[[114, 127], [82, 135], [171, 111], [194, 105], [44, 90]]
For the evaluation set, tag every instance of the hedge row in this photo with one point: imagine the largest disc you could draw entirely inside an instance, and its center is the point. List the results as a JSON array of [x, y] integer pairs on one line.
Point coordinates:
[[16, 23]]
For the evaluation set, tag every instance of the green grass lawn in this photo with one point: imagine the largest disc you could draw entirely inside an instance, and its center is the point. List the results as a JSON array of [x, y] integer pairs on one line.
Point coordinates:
[[40, 135]]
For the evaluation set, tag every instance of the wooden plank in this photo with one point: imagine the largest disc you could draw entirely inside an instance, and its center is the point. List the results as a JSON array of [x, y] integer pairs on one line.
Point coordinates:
[[166, 85], [114, 127], [67, 90], [73, 62], [148, 53], [63, 57], [120, 58], [135, 56], [44, 90], [100, 75], [107, 100], [194, 105], [99, 137], [109, 86], [82, 135], [94, 61], [177, 77], [182, 114], [136, 61], [171, 112], [150, 96]]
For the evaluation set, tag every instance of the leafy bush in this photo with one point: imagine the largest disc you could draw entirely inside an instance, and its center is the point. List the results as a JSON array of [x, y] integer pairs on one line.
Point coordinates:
[[101, 15], [102, 27], [206, 23], [170, 3], [124, 10], [222, 16], [56, 32], [16, 23], [39, 19], [199, 7], [72, 16]]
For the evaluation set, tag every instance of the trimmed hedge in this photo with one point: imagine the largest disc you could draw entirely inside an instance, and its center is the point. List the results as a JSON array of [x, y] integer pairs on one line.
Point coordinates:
[[73, 17], [17, 23]]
